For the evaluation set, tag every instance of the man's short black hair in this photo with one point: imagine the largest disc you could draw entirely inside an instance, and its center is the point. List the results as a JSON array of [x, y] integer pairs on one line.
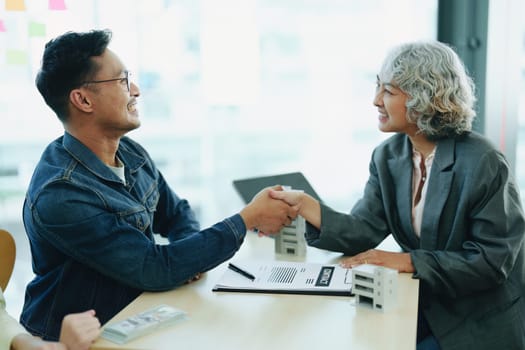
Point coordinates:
[[67, 63]]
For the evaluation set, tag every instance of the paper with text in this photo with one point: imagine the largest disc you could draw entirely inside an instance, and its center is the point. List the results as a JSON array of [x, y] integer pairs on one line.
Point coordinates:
[[288, 277]]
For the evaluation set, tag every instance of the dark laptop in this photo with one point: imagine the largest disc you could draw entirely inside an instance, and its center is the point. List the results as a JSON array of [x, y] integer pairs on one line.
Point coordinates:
[[249, 187]]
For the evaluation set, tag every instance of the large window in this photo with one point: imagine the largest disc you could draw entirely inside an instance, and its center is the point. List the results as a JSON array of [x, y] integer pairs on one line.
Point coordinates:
[[520, 94], [505, 83], [229, 88]]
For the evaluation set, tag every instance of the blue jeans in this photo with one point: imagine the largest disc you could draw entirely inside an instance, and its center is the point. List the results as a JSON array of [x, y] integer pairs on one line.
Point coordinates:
[[429, 343], [425, 338]]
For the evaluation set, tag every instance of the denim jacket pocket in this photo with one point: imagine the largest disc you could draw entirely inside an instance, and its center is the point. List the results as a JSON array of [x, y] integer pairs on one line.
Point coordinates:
[[141, 216], [151, 201], [138, 217]]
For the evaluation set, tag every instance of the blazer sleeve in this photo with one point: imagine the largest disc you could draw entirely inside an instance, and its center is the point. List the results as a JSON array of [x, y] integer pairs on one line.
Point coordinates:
[[363, 228]]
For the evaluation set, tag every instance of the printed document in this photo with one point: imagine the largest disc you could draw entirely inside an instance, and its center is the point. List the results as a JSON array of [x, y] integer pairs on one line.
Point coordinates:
[[286, 278]]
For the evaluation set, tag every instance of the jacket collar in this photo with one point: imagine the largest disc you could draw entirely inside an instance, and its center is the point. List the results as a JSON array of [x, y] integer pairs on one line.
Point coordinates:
[[439, 187], [131, 159], [445, 154]]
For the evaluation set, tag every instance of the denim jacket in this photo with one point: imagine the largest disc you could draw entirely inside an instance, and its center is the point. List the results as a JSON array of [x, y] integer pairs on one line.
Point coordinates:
[[91, 235]]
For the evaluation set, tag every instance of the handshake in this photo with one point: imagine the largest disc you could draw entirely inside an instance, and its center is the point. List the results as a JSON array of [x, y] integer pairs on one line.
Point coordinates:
[[271, 209]]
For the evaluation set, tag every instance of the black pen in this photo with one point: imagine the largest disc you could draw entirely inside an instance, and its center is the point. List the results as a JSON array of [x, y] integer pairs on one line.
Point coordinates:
[[241, 271]]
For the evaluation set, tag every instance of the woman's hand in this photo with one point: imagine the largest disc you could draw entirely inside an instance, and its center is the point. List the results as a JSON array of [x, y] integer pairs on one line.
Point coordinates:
[[303, 204], [398, 261]]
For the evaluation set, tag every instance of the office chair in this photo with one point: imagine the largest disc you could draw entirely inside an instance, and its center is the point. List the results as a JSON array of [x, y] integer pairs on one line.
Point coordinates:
[[7, 257]]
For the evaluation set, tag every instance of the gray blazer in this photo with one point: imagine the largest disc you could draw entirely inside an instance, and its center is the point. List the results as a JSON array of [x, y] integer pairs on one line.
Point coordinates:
[[470, 259]]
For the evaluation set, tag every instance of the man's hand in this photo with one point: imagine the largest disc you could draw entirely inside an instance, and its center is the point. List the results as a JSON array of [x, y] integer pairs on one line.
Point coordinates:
[[195, 278], [266, 214], [398, 261], [80, 330]]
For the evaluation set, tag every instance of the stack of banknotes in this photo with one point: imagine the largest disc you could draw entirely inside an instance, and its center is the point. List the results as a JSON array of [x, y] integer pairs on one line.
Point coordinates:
[[143, 323]]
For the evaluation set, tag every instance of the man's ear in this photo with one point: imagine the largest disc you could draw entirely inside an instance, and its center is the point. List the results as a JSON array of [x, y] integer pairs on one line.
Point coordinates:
[[80, 100]]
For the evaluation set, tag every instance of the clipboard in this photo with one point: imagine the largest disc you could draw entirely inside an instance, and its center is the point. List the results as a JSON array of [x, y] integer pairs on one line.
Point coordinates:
[[285, 277]]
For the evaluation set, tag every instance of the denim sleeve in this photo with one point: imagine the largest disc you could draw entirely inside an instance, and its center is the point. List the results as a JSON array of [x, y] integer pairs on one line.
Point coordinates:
[[76, 224], [174, 217]]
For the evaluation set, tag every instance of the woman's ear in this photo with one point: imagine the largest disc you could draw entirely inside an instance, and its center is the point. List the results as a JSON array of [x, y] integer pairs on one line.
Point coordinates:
[[80, 100]]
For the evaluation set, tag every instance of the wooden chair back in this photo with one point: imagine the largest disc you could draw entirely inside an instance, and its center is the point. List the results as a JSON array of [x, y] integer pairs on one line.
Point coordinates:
[[7, 257]]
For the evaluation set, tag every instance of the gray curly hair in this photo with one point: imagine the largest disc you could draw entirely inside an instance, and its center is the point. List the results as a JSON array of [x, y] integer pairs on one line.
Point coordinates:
[[440, 92]]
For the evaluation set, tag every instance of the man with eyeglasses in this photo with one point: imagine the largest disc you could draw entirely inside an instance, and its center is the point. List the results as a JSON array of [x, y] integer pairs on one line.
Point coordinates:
[[96, 198]]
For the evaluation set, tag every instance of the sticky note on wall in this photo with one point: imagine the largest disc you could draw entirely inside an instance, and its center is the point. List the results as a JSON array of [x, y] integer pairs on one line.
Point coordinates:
[[15, 5], [16, 57], [57, 5], [37, 29], [2, 26]]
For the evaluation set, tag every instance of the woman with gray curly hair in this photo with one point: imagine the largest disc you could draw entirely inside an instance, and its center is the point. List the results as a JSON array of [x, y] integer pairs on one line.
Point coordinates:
[[449, 199], [441, 93]]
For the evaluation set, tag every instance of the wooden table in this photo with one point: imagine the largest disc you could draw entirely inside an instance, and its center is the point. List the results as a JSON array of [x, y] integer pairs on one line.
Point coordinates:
[[222, 320]]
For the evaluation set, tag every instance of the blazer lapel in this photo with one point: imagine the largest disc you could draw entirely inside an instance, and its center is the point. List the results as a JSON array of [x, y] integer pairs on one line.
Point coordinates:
[[439, 186], [401, 168]]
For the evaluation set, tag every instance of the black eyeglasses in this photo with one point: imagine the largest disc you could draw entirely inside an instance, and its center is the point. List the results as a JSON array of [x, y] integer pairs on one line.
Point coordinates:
[[122, 81]]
